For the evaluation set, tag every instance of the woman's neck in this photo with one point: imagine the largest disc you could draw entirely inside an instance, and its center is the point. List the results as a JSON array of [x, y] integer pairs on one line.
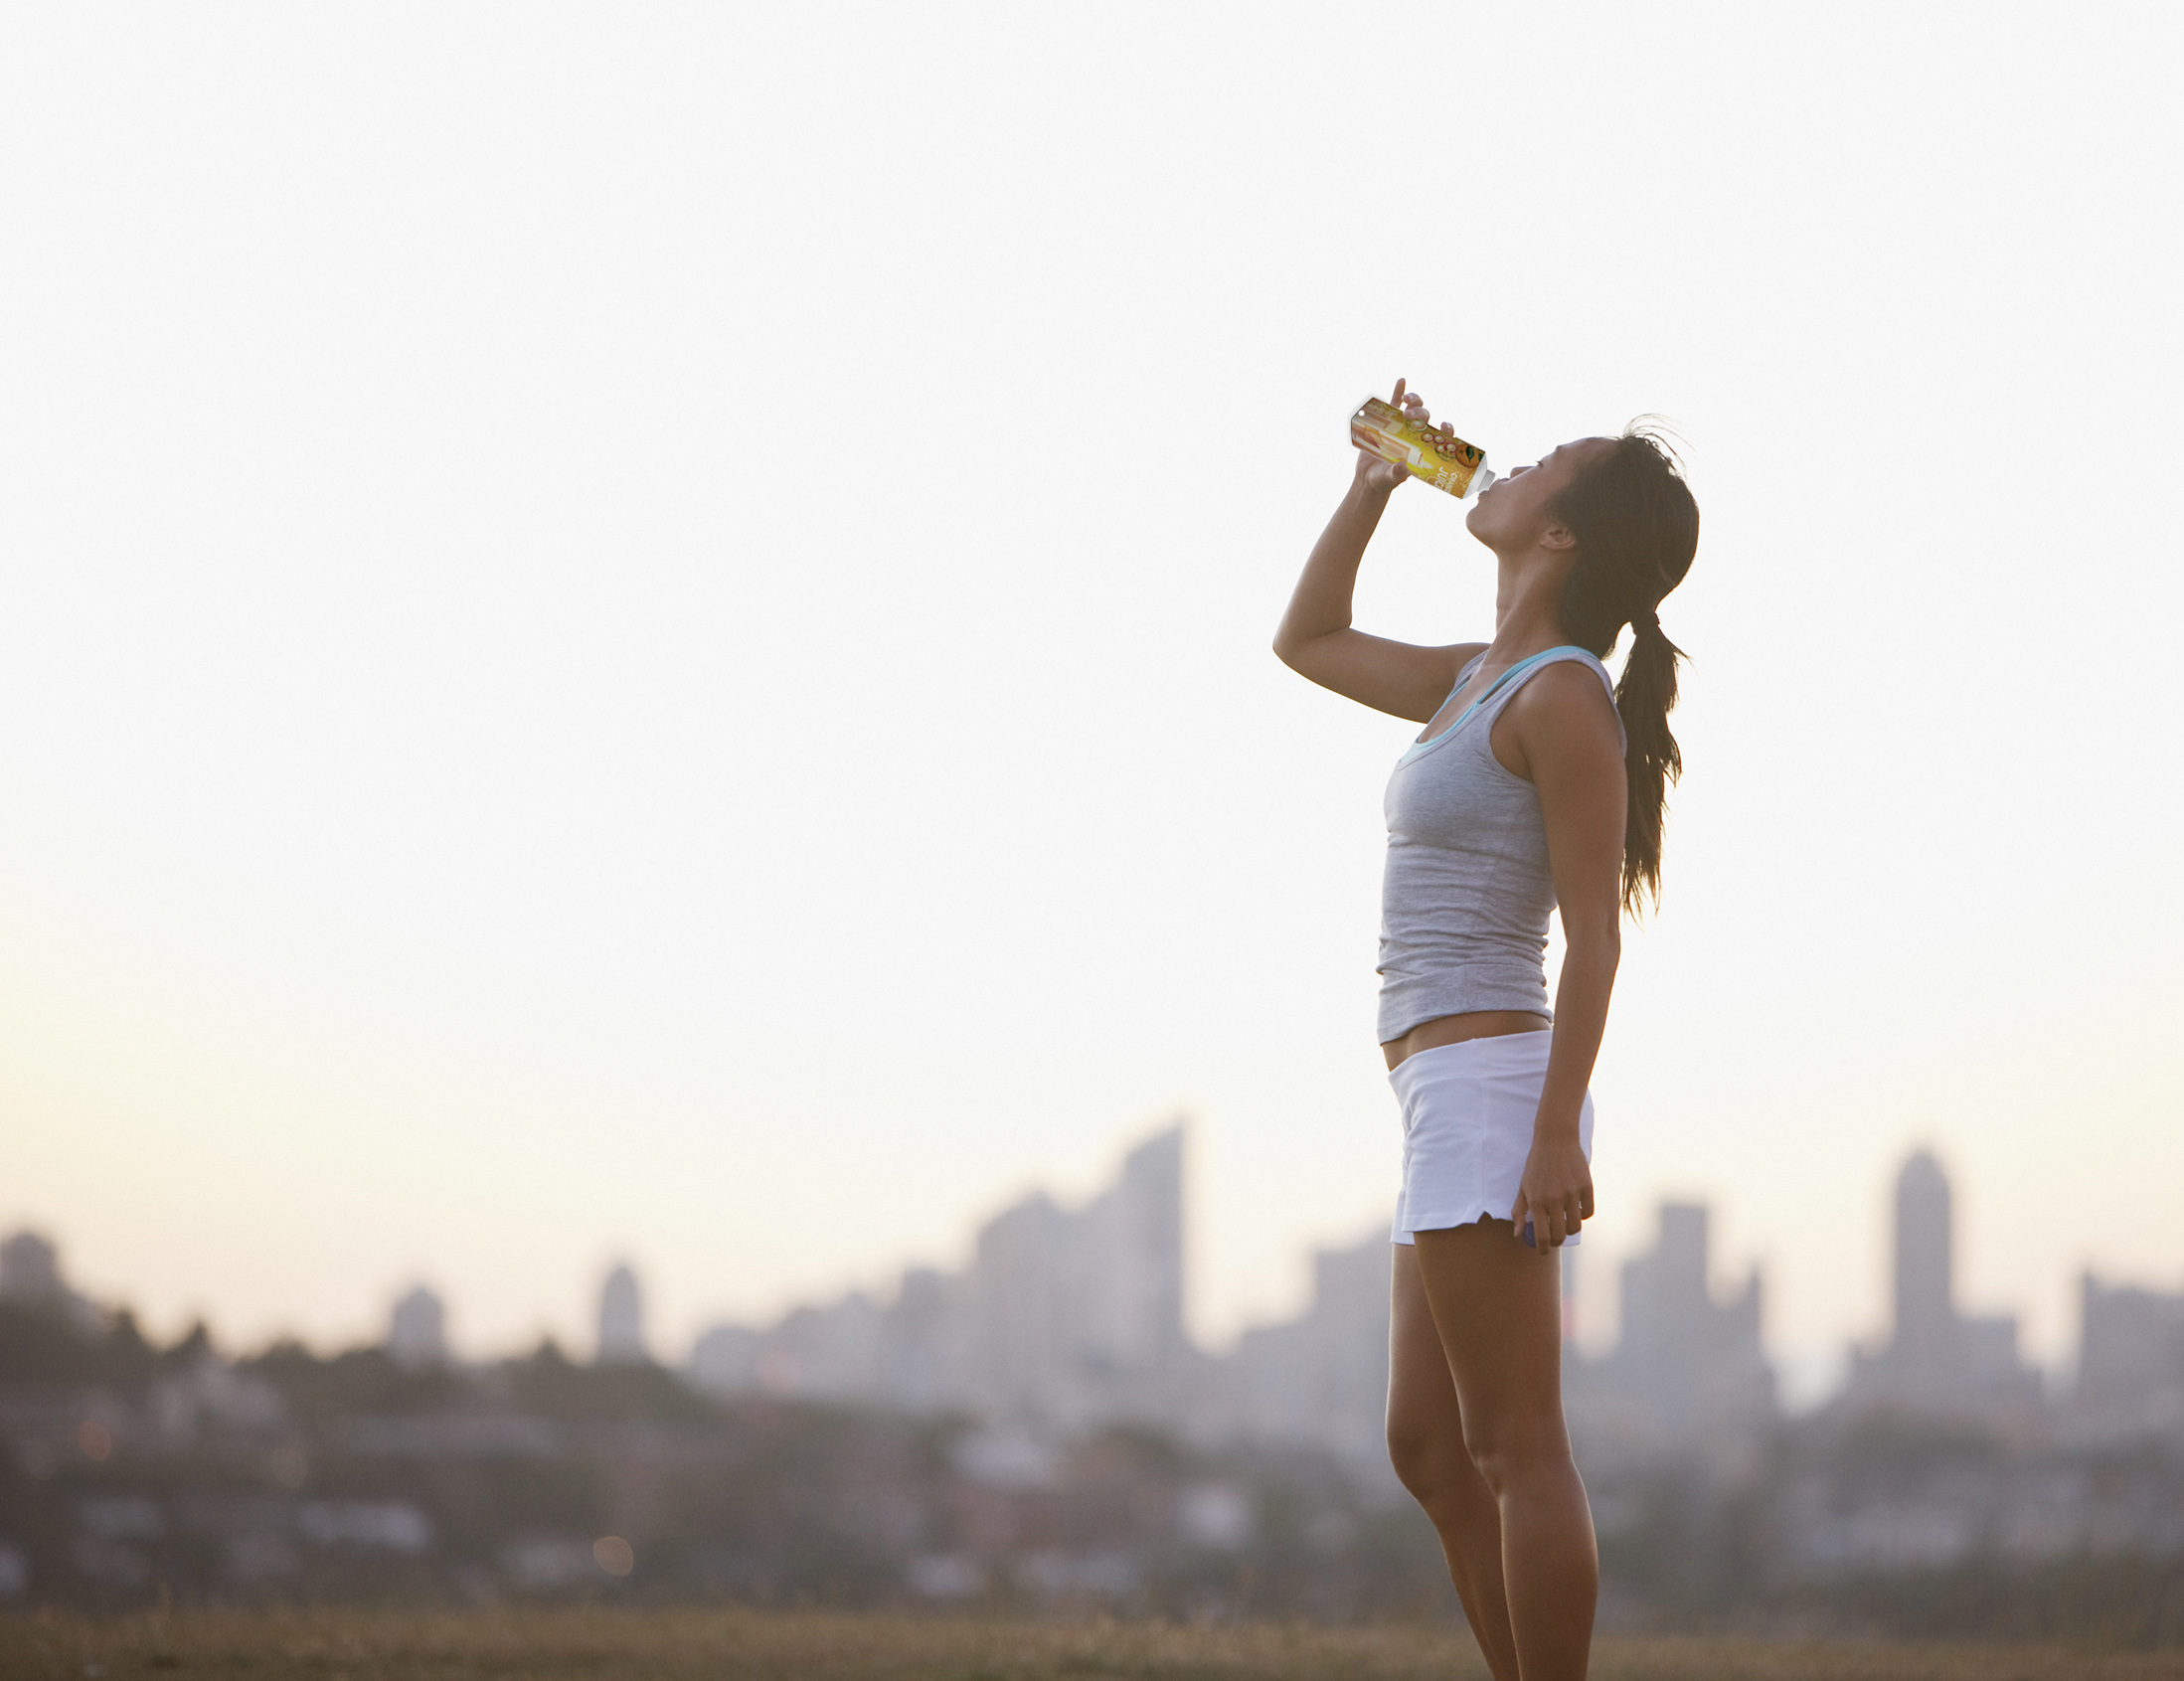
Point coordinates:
[[1527, 607]]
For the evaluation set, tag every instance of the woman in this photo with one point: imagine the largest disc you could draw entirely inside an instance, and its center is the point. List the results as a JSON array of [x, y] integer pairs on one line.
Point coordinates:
[[1537, 781]]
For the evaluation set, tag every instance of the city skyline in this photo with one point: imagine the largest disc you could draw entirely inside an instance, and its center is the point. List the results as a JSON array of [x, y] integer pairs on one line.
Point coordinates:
[[1066, 1447], [1911, 1354], [1809, 1373], [1040, 1428]]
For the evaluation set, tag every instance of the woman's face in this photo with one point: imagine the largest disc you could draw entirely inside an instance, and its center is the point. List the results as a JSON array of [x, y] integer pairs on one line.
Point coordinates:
[[1514, 511]]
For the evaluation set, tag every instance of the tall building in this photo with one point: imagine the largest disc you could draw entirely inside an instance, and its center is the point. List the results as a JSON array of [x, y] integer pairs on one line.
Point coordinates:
[[1066, 1317], [1937, 1358], [1145, 1243], [622, 1320], [1075, 1315], [1025, 1312], [1321, 1379], [1688, 1371], [1924, 1263], [921, 1347], [2131, 1365], [416, 1330]]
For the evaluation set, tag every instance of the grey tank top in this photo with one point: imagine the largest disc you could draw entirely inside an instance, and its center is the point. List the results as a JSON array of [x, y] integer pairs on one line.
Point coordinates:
[[1468, 893]]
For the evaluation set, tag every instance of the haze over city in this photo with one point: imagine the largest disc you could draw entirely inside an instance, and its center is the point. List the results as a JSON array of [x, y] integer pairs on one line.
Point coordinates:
[[597, 665]]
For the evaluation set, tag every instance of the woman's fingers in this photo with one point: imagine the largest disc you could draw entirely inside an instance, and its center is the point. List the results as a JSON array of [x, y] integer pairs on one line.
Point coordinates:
[[1378, 472], [1554, 1220]]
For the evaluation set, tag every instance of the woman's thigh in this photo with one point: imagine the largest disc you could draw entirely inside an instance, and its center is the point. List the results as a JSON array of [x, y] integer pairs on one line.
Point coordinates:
[[1425, 1420], [1496, 1305]]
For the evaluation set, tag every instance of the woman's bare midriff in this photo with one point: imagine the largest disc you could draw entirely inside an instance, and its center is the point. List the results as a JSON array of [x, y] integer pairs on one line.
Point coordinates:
[[1451, 1030]]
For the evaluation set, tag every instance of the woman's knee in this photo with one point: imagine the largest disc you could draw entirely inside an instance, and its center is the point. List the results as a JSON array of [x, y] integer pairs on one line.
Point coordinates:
[[1411, 1453], [1501, 1453], [1432, 1463]]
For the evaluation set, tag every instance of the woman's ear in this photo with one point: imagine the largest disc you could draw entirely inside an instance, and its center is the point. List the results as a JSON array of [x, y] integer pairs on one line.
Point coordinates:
[[1558, 536]]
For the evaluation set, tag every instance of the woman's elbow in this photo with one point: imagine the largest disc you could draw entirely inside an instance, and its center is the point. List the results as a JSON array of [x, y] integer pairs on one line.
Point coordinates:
[[1593, 939]]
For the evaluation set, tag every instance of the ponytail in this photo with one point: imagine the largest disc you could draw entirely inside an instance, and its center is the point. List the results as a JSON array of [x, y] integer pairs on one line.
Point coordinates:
[[1636, 526]]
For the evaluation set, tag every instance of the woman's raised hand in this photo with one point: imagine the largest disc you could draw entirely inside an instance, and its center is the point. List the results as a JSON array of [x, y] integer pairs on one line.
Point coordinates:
[[1376, 474]]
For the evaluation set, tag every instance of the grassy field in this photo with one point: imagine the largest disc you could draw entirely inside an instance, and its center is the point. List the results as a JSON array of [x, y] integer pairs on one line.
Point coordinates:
[[619, 1644]]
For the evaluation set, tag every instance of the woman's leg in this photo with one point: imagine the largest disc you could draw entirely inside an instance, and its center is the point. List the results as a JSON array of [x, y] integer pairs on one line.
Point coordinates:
[[1496, 1304], [1425, 1445]]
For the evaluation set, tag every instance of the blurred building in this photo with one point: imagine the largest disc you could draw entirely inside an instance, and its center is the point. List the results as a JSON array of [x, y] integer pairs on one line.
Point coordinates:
[[1077, 1315], [417, 1329], [1066, 1318], [725, 1360], [1321, 1379], [1687, 1373], [924, 1342], [1937, 1359], [30, 1271], [2131, 1365], [827, 1353], [30, 1276], [622, 1320]]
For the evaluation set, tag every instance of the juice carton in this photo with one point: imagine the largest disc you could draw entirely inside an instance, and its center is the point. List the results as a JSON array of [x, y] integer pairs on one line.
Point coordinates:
[[1444, 462]]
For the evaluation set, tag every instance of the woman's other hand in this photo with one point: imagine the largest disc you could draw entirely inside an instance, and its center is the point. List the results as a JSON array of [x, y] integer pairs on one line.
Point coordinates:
[[1556, 1194]]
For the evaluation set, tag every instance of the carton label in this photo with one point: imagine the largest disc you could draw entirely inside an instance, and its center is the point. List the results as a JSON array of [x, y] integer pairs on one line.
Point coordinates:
[[1442, 462]]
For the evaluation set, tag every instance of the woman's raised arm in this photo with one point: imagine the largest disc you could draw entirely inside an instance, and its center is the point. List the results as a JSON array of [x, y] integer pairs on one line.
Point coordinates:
[[1316, 639]]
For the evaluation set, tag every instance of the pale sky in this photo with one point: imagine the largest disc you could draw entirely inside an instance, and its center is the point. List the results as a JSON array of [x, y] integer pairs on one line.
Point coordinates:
[[644, 630]]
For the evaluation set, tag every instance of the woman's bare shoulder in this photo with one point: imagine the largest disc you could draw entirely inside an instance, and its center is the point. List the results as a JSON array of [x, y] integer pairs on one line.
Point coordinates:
[[1564, 709]]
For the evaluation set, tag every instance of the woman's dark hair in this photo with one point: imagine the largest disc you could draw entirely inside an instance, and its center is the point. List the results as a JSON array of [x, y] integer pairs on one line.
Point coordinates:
[[1636, 526]]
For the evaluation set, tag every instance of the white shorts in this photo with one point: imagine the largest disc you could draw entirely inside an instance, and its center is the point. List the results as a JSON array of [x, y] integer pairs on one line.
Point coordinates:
[[1467, 1114]]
